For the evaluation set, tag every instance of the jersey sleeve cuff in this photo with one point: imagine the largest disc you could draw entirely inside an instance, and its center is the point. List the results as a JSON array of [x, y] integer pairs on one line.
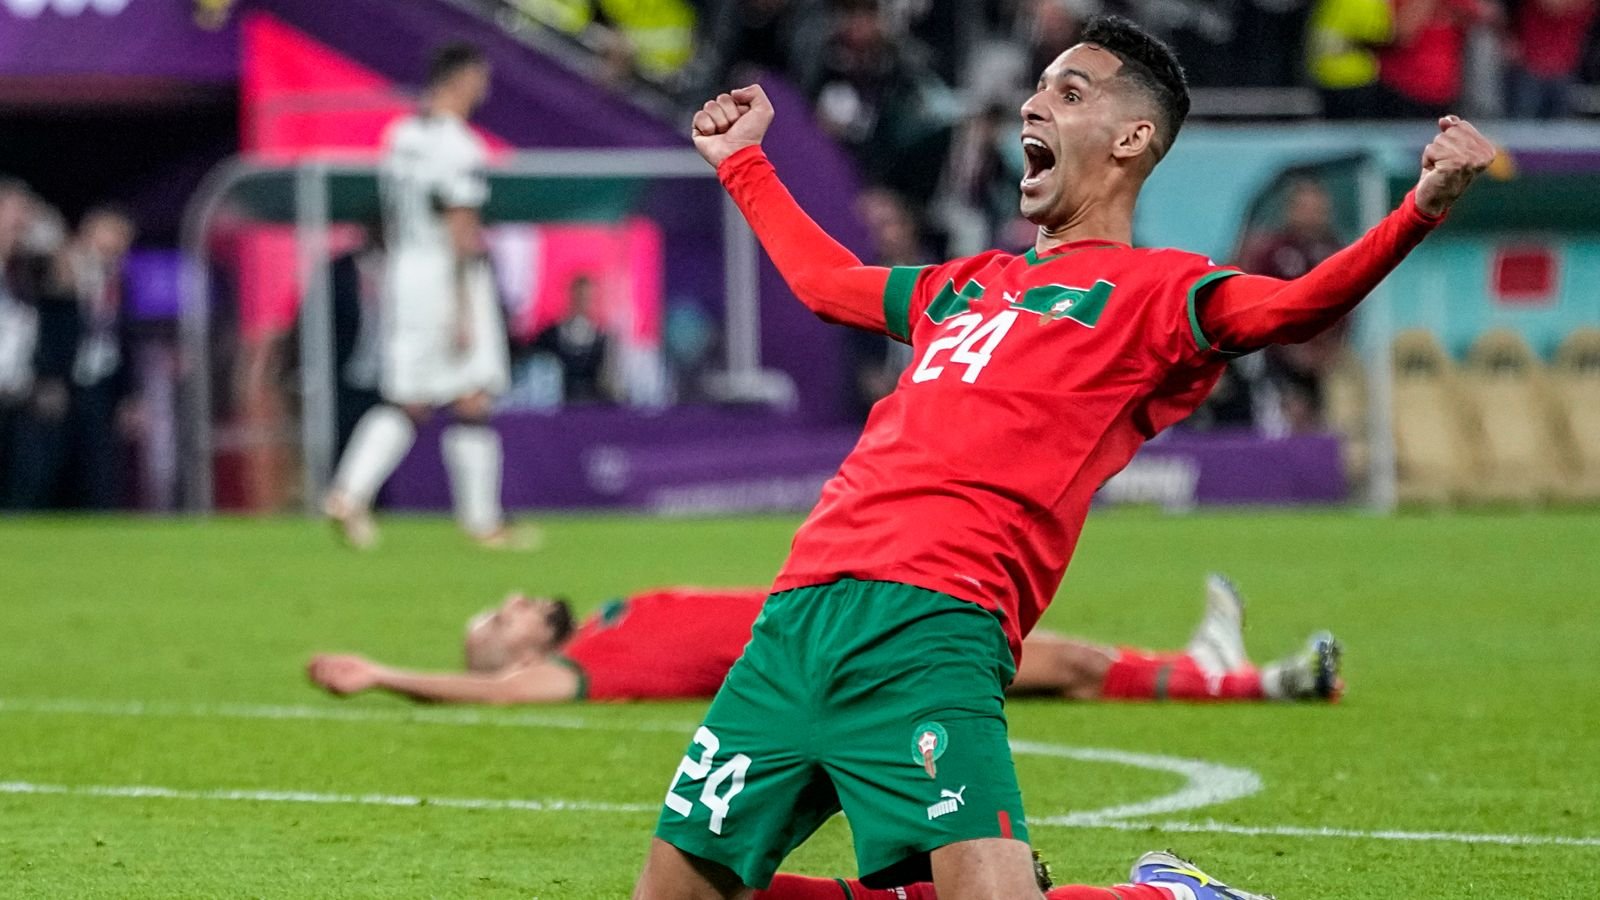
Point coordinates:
[[1417, 215], [897, 293], [740, 160], [1199, 334]]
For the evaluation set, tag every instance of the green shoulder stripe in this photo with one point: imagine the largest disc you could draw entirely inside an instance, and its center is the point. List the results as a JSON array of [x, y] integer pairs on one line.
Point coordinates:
[[583, 677], [1194, 313], [897, 293]]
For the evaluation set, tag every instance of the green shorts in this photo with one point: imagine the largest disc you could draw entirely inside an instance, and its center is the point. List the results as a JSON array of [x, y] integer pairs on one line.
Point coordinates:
[[879, 699]]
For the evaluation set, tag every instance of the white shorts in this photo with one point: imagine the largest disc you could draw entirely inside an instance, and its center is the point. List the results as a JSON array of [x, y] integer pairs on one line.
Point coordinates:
[[421, 365]]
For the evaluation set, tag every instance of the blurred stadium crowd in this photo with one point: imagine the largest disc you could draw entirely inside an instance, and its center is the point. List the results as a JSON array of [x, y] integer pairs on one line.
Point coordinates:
[[67, 408], [922, 94]]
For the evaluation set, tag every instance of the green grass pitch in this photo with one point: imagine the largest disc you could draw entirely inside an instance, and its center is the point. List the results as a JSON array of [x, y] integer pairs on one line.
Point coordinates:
[[149, 668]]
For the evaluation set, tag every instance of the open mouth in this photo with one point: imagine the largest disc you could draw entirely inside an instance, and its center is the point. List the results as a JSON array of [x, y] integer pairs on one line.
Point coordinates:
[[1038, 162]]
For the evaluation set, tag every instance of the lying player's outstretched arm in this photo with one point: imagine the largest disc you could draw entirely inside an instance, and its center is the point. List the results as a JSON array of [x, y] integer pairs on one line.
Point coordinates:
[[537, 682], [826, 276], [1247, 312]]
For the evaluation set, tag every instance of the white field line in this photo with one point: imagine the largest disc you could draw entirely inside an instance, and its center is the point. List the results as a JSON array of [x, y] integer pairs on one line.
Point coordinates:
[[580, 806], [1206, 784], [146, 791], [1211, 826], [421, 715]]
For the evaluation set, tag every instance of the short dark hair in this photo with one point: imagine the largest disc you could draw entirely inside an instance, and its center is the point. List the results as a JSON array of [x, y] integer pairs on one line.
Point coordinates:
[[1149, 64], [451, 58]]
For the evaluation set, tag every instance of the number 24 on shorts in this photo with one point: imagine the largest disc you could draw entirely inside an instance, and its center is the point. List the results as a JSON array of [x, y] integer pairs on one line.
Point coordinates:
[[731, 772]]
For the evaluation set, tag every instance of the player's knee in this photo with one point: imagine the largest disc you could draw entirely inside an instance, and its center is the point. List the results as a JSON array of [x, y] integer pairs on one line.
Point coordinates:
[[473, 410], [670, 872], [418, 414]]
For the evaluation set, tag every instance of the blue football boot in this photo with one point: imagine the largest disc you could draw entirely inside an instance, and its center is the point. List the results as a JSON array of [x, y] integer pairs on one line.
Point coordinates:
[[1183, 880]]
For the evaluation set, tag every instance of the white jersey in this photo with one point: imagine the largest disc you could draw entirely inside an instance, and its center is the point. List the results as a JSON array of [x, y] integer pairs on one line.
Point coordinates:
[[430, 163], [433, 163]]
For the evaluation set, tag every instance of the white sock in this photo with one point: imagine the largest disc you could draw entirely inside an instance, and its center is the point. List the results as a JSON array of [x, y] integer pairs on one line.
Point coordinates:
[[473, 457], [381, 439]]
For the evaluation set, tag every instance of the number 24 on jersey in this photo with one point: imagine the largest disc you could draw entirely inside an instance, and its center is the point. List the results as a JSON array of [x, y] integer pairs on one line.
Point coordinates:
[[971, 342]]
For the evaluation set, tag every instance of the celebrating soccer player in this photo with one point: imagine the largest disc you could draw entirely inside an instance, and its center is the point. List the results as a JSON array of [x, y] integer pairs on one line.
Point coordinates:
[[444, 336], [873, 681]]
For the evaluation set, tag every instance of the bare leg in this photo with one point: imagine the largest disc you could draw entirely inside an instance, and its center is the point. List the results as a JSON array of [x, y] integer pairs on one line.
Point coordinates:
[[381, 439], [1062, 667], [985, 869], [473, 458], [671, 874]]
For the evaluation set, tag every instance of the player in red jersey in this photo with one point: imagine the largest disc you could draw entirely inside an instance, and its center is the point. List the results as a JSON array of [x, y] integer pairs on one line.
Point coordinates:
[[681, 642], [872, 683], [657, 645]]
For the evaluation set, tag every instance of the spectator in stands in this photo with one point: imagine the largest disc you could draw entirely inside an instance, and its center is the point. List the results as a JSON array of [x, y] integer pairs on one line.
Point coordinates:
[[1052, 25], [978, 189], [19, 317], [1545, 50], [770, 35], [581, 346], [71, 444], [873, 98], [1294, 374], [1342, 58], [876, 361], [1421, 68]]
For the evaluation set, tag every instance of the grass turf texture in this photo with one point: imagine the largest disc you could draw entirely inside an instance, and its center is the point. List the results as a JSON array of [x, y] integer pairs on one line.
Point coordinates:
[[1472, 706]]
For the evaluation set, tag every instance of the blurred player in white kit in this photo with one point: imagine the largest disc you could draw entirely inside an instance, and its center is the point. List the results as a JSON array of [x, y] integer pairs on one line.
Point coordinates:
[[444, 335]]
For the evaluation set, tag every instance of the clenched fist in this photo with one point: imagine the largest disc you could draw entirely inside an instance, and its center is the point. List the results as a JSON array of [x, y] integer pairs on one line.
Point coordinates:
[[341, 674], [1450, 163], [731, 122]]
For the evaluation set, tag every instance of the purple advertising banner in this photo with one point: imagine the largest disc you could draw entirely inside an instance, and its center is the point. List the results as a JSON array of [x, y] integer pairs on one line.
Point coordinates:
[[149, 38], [704, 461]]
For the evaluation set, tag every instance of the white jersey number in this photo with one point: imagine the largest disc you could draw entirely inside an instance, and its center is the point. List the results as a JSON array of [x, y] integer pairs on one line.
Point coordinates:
[[731, 772], [974, 341]]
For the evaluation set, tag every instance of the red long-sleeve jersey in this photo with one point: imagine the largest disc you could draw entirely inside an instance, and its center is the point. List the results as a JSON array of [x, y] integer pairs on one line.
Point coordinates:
[[1036, 379]]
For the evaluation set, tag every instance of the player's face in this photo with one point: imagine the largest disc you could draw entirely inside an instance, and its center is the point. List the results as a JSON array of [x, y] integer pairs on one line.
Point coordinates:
[[1069, 128], [1310, 210], [516, 630], [474, 83]]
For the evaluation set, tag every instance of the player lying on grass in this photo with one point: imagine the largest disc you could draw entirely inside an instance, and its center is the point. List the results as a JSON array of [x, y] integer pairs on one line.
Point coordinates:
[[680, 643]]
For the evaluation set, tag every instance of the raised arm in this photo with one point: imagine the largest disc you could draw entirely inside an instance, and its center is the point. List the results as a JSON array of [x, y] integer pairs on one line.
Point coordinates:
[[825, 275], [1247, 312], [544, 681]]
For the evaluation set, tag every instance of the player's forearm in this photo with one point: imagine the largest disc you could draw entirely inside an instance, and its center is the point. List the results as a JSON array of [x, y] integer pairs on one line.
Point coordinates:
[[447, 688], [1247, 312], [824, 274]]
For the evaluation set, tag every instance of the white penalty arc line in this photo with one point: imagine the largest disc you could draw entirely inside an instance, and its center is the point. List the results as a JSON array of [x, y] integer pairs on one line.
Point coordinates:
[[401, 800], [1206, 783]]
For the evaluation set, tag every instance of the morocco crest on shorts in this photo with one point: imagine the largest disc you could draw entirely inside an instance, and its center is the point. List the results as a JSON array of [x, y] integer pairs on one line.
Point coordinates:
[[928, 742]]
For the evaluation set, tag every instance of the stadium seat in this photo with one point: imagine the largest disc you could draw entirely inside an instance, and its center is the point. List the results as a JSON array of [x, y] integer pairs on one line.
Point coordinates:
[[1575, 395], [1344, 401], [1504, 383], [1436, 440]]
